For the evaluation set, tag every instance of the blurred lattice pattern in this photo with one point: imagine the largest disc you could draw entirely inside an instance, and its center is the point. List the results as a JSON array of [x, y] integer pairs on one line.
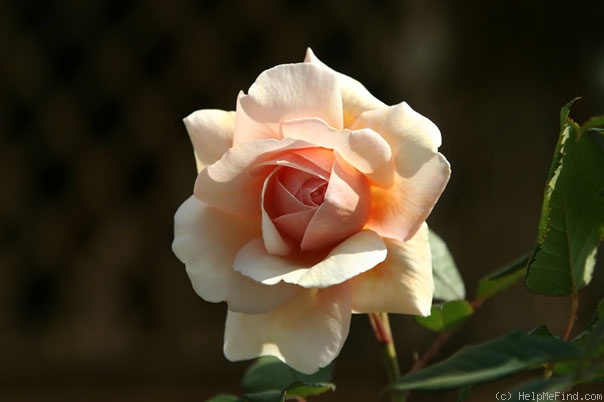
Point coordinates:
[[94, 160]]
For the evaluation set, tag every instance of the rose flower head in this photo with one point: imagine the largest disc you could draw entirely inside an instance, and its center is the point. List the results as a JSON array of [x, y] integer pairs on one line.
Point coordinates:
[[309, 205]]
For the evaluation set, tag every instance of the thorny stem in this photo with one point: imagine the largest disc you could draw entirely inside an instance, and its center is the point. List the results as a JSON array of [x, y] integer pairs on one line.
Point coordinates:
[[381, 328]]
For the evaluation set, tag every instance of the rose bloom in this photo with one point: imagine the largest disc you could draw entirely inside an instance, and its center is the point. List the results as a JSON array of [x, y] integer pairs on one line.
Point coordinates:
[[309, 205]]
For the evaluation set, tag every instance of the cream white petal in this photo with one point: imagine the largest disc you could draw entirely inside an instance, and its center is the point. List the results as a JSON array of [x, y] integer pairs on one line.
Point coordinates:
[[359, 253], [307, 332], [356, 99], [411, 136], [402, 284], [211, 132], [286, 92], [206, 241]]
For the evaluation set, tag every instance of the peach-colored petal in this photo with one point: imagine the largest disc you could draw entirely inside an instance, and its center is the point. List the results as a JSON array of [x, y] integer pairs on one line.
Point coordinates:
[[211, 132], [364, 149], [322, 158], [402, 283], [421, 172], [413, 137], [307, 332], [295, 181], [273, 241], [359, 253], [344, 211], [283, 202], [285, 92], [233, 184], [399, 211], [294, 224], [355, 97], [314, 161], [204, 240]]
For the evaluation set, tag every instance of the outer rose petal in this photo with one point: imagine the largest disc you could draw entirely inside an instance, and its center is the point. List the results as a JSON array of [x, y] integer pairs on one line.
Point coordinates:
[[211, 132], [402, 283], [399, 211], [411, 135], [307, 332], [204, 240], [357, 254], [355, 97], [286, 92], [422, 172]]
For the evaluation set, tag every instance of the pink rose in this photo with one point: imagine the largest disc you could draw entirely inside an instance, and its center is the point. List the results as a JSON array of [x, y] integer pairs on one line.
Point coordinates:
[[310, 205]]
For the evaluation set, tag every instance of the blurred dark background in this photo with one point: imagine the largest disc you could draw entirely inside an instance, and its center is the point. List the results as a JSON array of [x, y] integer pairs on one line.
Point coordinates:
[[94, 161]]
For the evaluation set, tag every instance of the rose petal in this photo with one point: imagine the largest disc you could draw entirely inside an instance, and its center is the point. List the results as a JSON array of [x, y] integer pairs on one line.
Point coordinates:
[[204, 240], [273, 241], [422, 172], [402, 283], [399, 211], [233, 184], [320, 157], [294, 180], [312, 191], [359, 253], [283, 202], [411, 135], [355, 97], [307, 332], [345, 209], [211, 132], [364, 149], [286, 92], [314, 161], [294, 224]]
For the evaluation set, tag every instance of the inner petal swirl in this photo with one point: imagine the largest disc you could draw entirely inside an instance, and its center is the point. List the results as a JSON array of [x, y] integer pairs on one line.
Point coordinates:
[[311, 206]]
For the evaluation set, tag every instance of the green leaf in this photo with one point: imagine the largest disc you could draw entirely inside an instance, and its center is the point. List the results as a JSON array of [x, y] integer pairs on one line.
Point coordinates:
[[497, 358], [269, 373], [304, 390], [572, 217], [225, 398], [446, 316], [448, 284], [502, 279], [542, 331], [270, 380]]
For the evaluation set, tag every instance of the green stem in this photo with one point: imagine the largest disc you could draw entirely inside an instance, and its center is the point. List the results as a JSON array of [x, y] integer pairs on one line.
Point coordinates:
[[381, 328]]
